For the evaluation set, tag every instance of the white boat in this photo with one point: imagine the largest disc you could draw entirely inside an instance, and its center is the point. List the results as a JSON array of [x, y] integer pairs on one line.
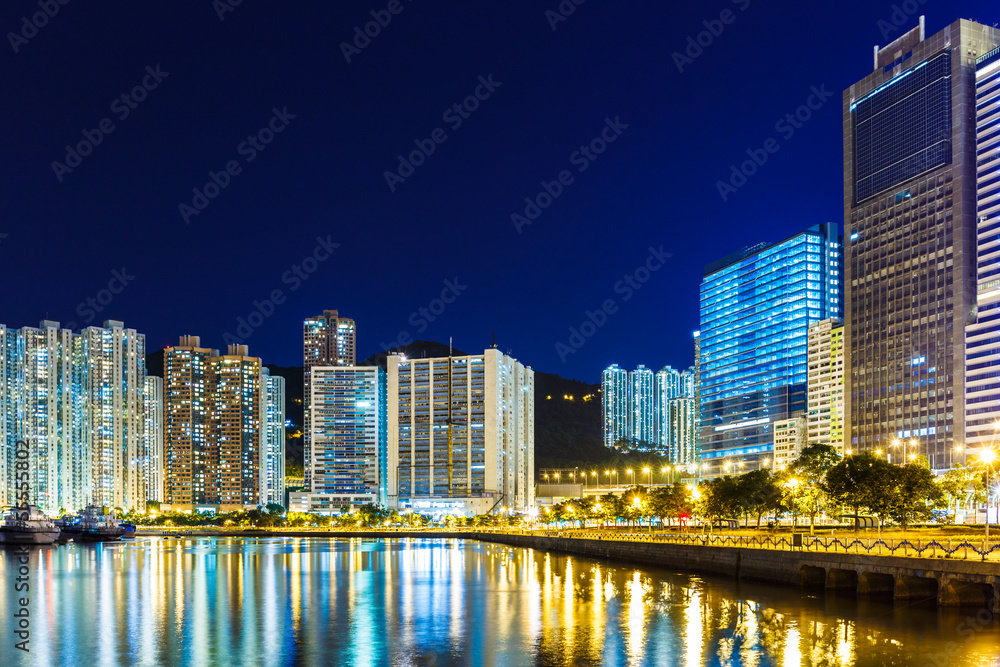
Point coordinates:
[[27, 525]]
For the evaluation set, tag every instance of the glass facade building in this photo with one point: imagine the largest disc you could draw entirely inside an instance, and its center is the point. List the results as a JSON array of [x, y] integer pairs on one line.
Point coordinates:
[[983, 337], [644, 410], [756, 309], [616, 405], [910, 230]]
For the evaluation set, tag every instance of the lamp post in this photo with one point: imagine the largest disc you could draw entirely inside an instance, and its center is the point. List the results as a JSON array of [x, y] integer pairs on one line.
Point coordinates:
[[987, 457], [632, 473], [664, 472], [895, 445], [649, 476], [608, 474]]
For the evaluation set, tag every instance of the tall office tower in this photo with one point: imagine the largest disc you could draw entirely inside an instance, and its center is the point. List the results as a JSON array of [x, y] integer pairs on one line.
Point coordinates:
[[8, 422], [789, 439], [756, 309], [350, 439], [825, 387], [114, 382], [237, 385], [683, 441], [461, 433], [191, 458], [272, 447], [643, 408], [910, 217], [616, 405], [152, 455], [327, 340], [982, 397], [697, 398], [667, 386]]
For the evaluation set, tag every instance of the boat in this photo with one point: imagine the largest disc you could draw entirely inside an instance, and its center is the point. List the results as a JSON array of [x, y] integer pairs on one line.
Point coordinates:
[[94, 524], [28, 525], [129, 529]]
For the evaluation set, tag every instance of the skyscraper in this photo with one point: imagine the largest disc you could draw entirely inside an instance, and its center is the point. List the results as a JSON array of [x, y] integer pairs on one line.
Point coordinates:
[[983, 337], [76, 400], [221, 428], [910, 222], [616, 405], [327, 340], [153, 454], [756, 309], [461, 433], [643, 408], [825, 412], [350, 438], [682, 449], [667, 386], [272, 450]]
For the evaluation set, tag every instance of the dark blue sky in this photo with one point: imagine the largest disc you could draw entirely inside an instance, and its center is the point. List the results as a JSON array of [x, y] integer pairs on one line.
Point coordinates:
[[323, 175]]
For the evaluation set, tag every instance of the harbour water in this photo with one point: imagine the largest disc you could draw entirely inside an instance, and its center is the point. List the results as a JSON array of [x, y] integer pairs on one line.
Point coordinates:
[[298, 601]]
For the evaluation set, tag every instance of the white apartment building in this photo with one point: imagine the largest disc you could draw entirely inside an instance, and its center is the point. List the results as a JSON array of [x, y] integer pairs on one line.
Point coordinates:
[[825, 383]]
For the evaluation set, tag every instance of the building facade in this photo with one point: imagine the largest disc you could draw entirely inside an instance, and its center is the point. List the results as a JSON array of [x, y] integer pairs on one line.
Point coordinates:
[[272, 450], [222, 416], [76, 401], [790, 437], [682, 441], [616, 405], [643, 420], [152, 455], [910, 222], [350, 458], [756, 309], [983, 337], [327, 340], [461, 434], [825, 409]]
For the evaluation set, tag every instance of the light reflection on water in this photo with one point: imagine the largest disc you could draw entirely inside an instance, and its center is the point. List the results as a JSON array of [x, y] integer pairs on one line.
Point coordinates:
[[276, 601]]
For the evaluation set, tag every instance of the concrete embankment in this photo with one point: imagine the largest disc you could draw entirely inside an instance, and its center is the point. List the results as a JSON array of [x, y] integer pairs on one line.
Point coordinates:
[[948, 582]]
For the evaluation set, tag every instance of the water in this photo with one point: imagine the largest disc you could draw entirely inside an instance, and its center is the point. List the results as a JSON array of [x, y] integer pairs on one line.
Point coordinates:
[[276, 601]]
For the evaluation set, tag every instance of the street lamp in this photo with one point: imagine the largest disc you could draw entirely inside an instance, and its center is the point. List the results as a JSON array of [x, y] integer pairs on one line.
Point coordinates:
[[895, 445], [630, 472], [608, 473], [649, 476], [664, 471]]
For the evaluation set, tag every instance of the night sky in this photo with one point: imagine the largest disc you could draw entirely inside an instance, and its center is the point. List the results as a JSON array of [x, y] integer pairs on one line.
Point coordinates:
[[312, 213]]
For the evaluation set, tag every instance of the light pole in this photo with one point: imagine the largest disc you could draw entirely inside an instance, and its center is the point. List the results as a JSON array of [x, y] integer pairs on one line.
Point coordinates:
[[913, 442], [895, 445], [664, 472], [649, 476], [987, 457], [616, 477], [632, 473], [608, 474]]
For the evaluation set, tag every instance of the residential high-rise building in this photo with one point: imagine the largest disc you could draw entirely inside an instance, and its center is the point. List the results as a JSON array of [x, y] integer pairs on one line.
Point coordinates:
[[221, 427], [76, 401], [189, 437], [789, 440], [461, 433], [683, 435], [616, 405], [114, 383], [825, 387], [153, 454], [643, 408], [982, 412], [697, 399], [350, 439], [756, 309], [910, 222], [327, 340], [667, 386], [272, 450]]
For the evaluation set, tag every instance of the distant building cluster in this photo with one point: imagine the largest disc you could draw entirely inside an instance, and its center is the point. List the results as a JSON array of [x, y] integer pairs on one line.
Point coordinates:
[[652, 412]]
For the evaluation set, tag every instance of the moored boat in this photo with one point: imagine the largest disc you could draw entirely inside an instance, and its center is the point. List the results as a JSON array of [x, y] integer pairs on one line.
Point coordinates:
[[129, 529], [94, 524], [28, 525]]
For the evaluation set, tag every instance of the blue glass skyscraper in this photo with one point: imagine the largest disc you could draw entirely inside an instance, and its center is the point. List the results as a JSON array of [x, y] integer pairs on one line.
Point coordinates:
[[756, 308]]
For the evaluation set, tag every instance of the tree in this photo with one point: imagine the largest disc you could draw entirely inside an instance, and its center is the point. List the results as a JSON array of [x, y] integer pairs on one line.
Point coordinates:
[[275, 508], [913, 496], [720, 498], [670, 502], [811, 469], [757, 493], [961, 485], [863, 480]]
